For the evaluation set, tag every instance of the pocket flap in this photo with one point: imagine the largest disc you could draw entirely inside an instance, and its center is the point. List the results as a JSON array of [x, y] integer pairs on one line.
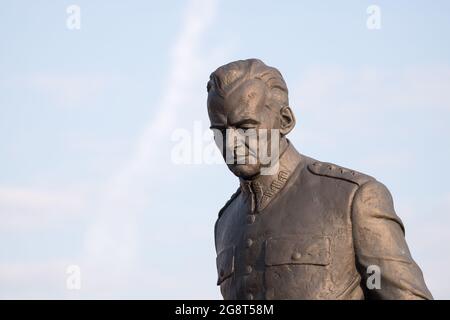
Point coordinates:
[[304, 249], [225, 264]]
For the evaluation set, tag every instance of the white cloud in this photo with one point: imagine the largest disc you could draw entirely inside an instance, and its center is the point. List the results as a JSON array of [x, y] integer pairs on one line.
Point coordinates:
[[36, 207], [109, 262], [333, 89], [67, 90], [334, 103], [111, 240], [45, 280]]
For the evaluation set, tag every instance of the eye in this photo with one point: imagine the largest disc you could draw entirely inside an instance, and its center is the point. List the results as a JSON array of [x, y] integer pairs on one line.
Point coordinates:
[[247, 127]]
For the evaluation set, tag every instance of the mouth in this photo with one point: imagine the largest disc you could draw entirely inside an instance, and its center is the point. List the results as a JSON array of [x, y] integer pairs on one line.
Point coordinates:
[[242, 161], [243, 156]]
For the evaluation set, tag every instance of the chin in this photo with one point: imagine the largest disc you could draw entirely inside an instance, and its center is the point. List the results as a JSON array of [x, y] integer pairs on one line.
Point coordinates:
[[245, 171]]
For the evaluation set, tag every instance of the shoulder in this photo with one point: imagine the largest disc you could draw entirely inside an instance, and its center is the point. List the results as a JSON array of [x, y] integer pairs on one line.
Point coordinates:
[[371, 198], [332, 170], [233, 196], [374, 200]]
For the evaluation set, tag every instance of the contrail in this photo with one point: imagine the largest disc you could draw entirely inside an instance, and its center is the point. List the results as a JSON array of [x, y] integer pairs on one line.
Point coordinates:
[[110, 242]]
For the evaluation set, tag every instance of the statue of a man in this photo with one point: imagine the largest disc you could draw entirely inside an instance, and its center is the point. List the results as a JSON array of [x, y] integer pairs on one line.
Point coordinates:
[[298, 228]]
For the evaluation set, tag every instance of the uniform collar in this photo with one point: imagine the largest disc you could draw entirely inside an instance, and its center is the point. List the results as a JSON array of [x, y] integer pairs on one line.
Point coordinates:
[[264, 188]]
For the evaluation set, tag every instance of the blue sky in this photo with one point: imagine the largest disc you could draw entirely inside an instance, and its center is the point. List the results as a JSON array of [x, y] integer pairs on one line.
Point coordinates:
[[87, 120]]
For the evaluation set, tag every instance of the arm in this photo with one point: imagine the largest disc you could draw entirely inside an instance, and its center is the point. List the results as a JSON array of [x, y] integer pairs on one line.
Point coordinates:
[[379, 239]]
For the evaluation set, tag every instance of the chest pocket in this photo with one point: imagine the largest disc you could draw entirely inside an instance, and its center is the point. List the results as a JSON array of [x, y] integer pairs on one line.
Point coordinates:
[[298, 249], [225, 264]]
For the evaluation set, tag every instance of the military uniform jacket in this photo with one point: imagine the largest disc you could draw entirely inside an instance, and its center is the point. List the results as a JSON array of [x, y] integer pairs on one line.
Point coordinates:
[[314, 230]]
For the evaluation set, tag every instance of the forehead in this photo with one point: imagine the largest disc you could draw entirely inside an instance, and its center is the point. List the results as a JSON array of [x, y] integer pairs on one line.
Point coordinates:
[[245, 101]]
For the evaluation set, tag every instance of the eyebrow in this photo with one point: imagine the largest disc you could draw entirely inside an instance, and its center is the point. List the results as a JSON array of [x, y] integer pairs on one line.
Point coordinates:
[[240, 122], [217, 126]]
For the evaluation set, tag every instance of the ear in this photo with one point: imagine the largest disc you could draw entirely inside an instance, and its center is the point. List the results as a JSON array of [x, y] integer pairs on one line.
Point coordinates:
[[287, 120]]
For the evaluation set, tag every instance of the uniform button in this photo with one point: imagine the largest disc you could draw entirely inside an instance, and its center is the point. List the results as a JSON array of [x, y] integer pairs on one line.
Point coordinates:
[[251, 218], [296, 255], [249, 269], [249, 296], [249, 242]]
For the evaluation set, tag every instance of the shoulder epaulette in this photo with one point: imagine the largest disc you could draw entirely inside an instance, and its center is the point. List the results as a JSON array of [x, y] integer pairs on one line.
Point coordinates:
[[338, 172], [229, 201]]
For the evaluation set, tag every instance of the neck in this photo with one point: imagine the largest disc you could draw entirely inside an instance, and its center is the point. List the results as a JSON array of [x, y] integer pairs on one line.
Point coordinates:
[[284, 143], [264, 187]]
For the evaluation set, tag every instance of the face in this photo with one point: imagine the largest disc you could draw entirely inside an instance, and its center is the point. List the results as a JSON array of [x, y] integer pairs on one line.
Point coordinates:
[[243, 110]]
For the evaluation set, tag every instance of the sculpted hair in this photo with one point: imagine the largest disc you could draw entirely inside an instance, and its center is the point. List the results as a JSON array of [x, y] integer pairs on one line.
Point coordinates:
[[228, 77]]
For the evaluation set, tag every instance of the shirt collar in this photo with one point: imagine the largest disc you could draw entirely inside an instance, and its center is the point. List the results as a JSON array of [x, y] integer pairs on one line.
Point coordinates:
[[264, 188]]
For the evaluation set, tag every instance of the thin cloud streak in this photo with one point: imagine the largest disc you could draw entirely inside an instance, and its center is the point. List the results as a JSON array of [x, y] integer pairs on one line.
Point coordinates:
[[111, 240]]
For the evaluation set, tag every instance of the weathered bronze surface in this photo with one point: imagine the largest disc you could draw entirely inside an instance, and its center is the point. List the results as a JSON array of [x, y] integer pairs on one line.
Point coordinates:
[[309, 230]]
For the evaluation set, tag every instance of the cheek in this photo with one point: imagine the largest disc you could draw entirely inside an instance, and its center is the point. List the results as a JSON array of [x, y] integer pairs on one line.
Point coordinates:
[[220, 140], [269, 120], [268, 141]]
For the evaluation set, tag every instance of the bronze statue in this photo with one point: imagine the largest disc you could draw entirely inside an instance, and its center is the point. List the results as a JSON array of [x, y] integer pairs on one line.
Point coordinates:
[[306, 229]]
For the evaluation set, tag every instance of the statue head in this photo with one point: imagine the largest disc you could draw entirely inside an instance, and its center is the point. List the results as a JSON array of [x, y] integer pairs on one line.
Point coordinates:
[[248, 98]]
